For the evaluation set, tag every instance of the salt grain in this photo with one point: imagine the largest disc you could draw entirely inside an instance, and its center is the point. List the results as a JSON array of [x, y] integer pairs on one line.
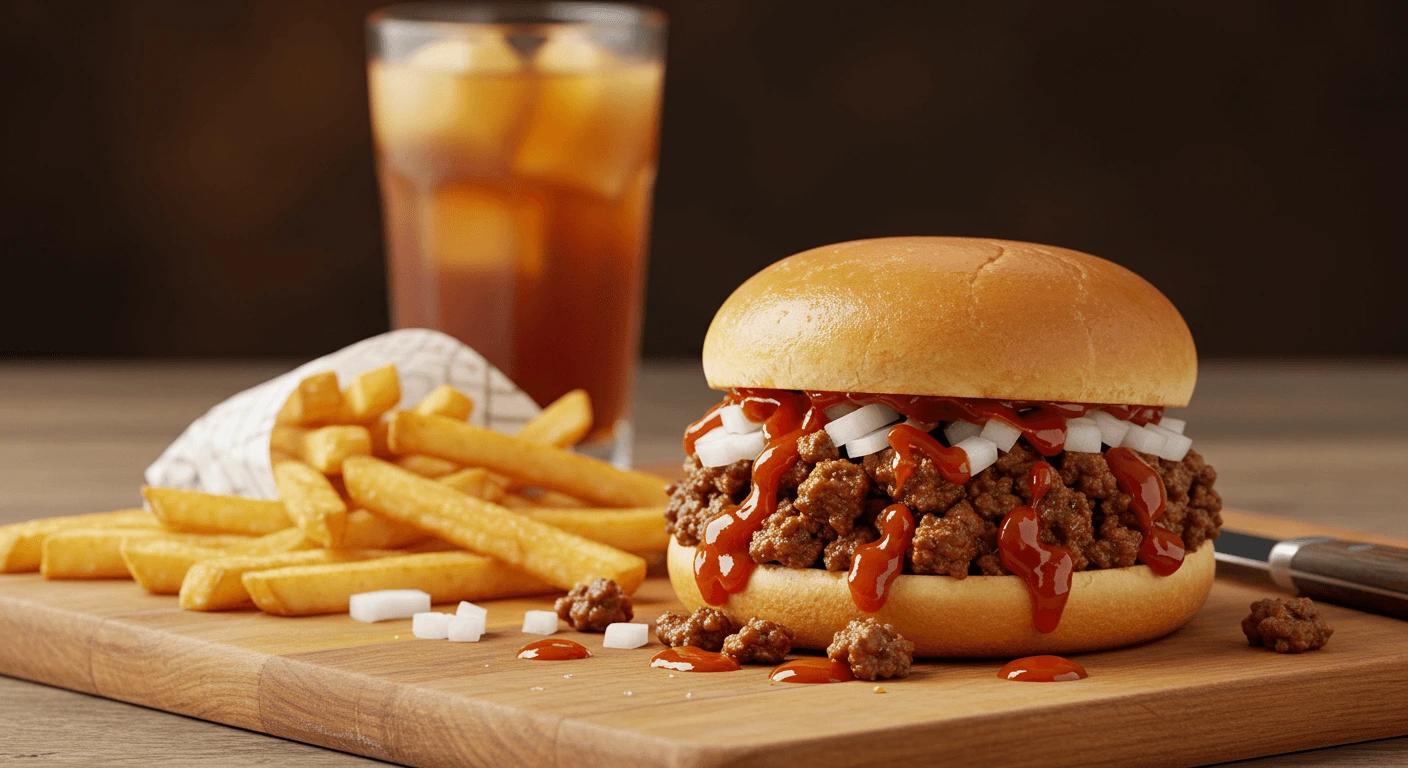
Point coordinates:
[[536, 688]]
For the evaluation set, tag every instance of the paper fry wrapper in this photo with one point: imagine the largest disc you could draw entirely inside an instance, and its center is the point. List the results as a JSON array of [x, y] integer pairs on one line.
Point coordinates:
[[227, 449]]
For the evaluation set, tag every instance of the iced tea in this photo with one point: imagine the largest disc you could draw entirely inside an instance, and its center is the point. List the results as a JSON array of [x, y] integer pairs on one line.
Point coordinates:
[[516, 165]]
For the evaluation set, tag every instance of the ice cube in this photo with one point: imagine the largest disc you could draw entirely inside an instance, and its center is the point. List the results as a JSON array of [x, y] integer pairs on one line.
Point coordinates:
[[482, 52]]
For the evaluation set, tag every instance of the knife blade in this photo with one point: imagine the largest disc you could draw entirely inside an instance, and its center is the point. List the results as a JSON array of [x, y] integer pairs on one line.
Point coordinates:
[[1371, 577]]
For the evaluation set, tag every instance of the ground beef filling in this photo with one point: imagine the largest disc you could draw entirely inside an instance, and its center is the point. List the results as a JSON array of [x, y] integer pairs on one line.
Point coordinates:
[[874, 651], [827, 507], [1286, 625], [592, 607], [706, 628]]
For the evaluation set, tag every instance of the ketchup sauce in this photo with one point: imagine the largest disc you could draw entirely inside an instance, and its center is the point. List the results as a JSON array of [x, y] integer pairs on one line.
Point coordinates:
[[1045, 569], [553, 650], [875, 565], [907, 440], [687, 658], [1042, 669], [1162, 549], [811, 671]]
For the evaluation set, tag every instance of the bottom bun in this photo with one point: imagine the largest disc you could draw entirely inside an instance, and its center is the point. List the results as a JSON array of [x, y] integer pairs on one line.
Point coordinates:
[[973, 617]]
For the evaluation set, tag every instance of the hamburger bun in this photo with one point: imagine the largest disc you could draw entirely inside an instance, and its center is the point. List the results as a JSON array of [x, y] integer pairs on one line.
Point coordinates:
[[978, 616], [953, 316]]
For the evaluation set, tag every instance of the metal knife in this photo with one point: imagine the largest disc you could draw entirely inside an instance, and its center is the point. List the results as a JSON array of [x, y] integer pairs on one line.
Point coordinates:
[[1371, 577]]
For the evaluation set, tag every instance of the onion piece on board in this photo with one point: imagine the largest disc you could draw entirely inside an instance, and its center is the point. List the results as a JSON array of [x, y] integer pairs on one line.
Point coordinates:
[[625, 635], [369, 607], [466, 629], [431, 625], [982, 453], [861, 422], [540, 622]]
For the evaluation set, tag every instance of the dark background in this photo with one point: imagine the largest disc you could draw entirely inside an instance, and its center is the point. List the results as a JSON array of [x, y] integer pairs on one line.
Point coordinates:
[[195, 179]]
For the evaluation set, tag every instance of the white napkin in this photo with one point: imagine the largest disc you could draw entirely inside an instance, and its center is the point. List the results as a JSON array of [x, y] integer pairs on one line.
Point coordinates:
[[227, 449]]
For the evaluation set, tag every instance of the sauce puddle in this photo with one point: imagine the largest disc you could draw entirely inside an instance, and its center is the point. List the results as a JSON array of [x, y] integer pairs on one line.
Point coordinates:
[[553, 650], [687, 658], [812, 671], [1042, 669]]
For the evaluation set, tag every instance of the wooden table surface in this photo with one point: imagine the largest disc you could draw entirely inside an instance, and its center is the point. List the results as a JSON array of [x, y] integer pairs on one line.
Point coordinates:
[[1317, 441]]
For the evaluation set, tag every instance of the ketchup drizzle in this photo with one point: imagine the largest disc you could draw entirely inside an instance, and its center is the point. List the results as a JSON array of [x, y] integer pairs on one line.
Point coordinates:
[[1042, 669], [1162, 549], [952, 463], [875, 565], [551, 649], [1046, 569], [687, 658], [812, 671]]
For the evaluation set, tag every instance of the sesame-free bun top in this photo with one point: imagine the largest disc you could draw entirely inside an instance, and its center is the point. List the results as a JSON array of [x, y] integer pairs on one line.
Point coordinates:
[[953, 316]]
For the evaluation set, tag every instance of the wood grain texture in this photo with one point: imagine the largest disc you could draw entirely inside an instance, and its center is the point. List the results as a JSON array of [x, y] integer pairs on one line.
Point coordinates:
[[374, 690]]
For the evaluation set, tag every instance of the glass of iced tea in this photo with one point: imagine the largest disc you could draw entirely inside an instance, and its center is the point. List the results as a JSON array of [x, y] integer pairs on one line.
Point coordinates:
[[516, 152]]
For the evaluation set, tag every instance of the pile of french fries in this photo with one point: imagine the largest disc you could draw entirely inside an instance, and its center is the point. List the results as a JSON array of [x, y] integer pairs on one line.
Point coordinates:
[[373, 498]]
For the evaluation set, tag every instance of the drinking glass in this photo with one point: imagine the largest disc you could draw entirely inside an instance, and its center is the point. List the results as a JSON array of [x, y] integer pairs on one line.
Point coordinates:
[[516, 155]]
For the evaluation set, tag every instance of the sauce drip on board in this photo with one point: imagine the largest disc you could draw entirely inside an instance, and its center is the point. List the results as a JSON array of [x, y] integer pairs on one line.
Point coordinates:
[[687, 658], [875, 565], [553, 649], [812, 671], [1162, 549], [1044, 568], [1042, 669]]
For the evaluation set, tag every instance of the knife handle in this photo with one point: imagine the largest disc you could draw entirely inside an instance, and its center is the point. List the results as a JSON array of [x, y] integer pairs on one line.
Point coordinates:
[[1372, 577]]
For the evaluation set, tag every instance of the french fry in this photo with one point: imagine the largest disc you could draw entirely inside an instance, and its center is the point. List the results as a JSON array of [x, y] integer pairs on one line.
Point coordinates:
[[22, 544], [159, 564], [631, 530], [378, 430], [546, 497], [446, 576], [287, 540], [316, 400], [479, 483], [559, 558], [96, 553], [446, 401], [371, 394], [325, 449], [312, 502], [580, 476], [368, 531], [215, 584], [563, 423], [198, 512], [427, 466]]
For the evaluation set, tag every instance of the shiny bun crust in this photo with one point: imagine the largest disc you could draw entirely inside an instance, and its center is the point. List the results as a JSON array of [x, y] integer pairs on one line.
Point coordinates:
[[953, 316], [974, 617]]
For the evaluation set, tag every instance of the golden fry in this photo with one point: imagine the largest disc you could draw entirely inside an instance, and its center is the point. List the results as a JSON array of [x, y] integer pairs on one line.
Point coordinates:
[[553, 555], [312, 502], [22, 544], [545, 497], [198, 512], [96, 553], [368, 531], [580, 476], [631, 530], [446, 401], [371, 394], [378, 430], [215, 584], [427, 466], [288, 540], [159, 564], [325, 449], [479, 483], [446, 576], [316, 400], [563, 423]]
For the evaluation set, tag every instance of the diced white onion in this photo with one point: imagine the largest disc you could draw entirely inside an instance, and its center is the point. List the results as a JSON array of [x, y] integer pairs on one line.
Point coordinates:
[[982, 453], [861, 422], [958, 431], [1144, 440], [624, 635], [1177, 425], [730, 448], [736, 423], [466, 629], [1112, 430], [840, 409], [1176, 447], [713, 435], [1082, 436], [431, 625], [1002, 434], [387, 604], [865, 445], [467, 608], [539, 622], [922, 426]]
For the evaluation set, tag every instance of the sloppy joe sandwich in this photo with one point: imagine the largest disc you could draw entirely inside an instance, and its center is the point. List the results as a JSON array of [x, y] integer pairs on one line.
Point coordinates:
[[962, 438]]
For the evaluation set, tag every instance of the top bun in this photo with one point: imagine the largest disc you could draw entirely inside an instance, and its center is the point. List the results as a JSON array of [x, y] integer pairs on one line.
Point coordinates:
[[957, 317]]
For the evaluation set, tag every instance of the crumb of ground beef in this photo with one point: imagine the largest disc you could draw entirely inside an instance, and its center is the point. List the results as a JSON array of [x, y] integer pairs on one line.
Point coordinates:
[[1194, 506], [1286, 625], [839, 551], [795, 475], [788, 537], [591, 607], [834, 493], [759, 641], [1066, 522], [946, 545], [925, 490], [873, 650], [817, 447], [733, 480], [993, 495], [706, 628], [703, 493]]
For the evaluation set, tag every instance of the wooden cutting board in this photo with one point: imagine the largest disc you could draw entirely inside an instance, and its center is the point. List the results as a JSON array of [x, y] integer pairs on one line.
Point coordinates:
[[1198, 696]]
